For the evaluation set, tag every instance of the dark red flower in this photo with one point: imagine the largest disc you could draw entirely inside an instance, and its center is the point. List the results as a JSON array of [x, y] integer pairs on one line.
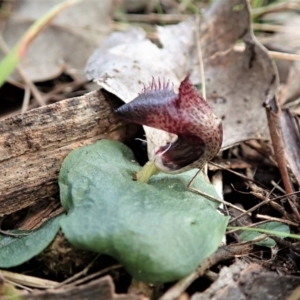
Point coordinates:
[[185, 114]]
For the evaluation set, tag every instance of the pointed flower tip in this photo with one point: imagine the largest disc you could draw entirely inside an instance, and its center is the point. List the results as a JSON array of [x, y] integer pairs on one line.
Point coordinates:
[[187, 88], [187, 115], [157, 85]]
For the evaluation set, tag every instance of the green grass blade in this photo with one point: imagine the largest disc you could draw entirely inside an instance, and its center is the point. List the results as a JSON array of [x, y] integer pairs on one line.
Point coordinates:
[[11, 60]]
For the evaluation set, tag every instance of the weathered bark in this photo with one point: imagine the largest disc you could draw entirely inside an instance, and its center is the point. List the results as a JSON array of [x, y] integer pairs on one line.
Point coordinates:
[[100, 289], [33, 145]]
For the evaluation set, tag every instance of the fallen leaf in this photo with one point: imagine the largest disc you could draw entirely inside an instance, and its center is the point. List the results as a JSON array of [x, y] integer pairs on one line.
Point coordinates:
[[237, 82], [287, 40], [66, 44], [291, 138]]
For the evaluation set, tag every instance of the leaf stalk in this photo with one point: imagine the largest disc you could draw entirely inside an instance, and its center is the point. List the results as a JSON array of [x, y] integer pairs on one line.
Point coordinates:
[[146, 172]]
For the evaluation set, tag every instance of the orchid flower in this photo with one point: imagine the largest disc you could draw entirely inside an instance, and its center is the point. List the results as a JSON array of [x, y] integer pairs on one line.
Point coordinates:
[[186, 114]]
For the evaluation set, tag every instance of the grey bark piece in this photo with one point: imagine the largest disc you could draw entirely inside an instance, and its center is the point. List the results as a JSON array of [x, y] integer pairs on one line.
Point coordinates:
[[33, 145]]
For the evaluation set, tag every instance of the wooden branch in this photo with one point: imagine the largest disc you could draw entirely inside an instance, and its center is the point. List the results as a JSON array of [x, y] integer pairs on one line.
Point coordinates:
[[100, 289], [223, 253], [273, 115], [33, 145]]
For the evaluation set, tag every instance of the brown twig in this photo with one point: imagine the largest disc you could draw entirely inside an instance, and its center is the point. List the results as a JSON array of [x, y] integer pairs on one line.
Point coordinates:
[[285, 243], [64, 88], [266, 201], [269, 27], [273, 115], [249, 226], [260, 194], [272, 54], [94, 275], [79, 274], [277, 186], [236, 173], [7, 233], [36, 93], [265, 217], [21, 286], [223, 253], [26, 99], [200, 56], [191, 188], [26, 280], [275, 7], [153, 18]]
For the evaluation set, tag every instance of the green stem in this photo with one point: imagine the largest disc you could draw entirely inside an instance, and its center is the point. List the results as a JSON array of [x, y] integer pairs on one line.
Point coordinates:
[[146, 172]]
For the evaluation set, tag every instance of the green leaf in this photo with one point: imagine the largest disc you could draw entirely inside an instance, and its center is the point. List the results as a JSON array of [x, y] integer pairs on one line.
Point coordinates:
[[159, 231], [17, 250], [276, 227]]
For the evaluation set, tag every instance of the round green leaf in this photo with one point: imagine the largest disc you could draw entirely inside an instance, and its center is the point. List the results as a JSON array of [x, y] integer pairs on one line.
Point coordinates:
[[17, 250], [159, 231], [272, 226]]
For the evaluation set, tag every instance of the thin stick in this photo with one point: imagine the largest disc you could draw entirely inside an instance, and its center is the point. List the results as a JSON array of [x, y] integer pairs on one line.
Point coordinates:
[[259, 238], [79, 274], [273, 54], [265, 201], [264, 217], [269, 27], [7, 233], [223, 253], [156, 18], [235, 173], [28, 280], [70, 86], [26, 100], [18, 285], [286, 195], [217, 200], [36, 93], [250, 210], [285, 243], [275, 185], [193, 179], [275, 7], [251, 225], [284, 56], [97, 274], [200, 57], [273, 115], [209, 196], [257, 192]]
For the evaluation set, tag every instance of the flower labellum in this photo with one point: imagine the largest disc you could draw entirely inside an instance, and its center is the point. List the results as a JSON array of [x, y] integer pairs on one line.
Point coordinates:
[[199, 132]]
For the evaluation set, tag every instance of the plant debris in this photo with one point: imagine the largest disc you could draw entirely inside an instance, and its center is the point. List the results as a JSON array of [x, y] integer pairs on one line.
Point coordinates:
[[53, 110]]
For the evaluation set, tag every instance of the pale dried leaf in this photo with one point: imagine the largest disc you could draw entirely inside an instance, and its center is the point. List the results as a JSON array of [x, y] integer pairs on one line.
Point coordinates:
[[237, 82], [66, 44], [291, 138], [288, 40], [126, 61]]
